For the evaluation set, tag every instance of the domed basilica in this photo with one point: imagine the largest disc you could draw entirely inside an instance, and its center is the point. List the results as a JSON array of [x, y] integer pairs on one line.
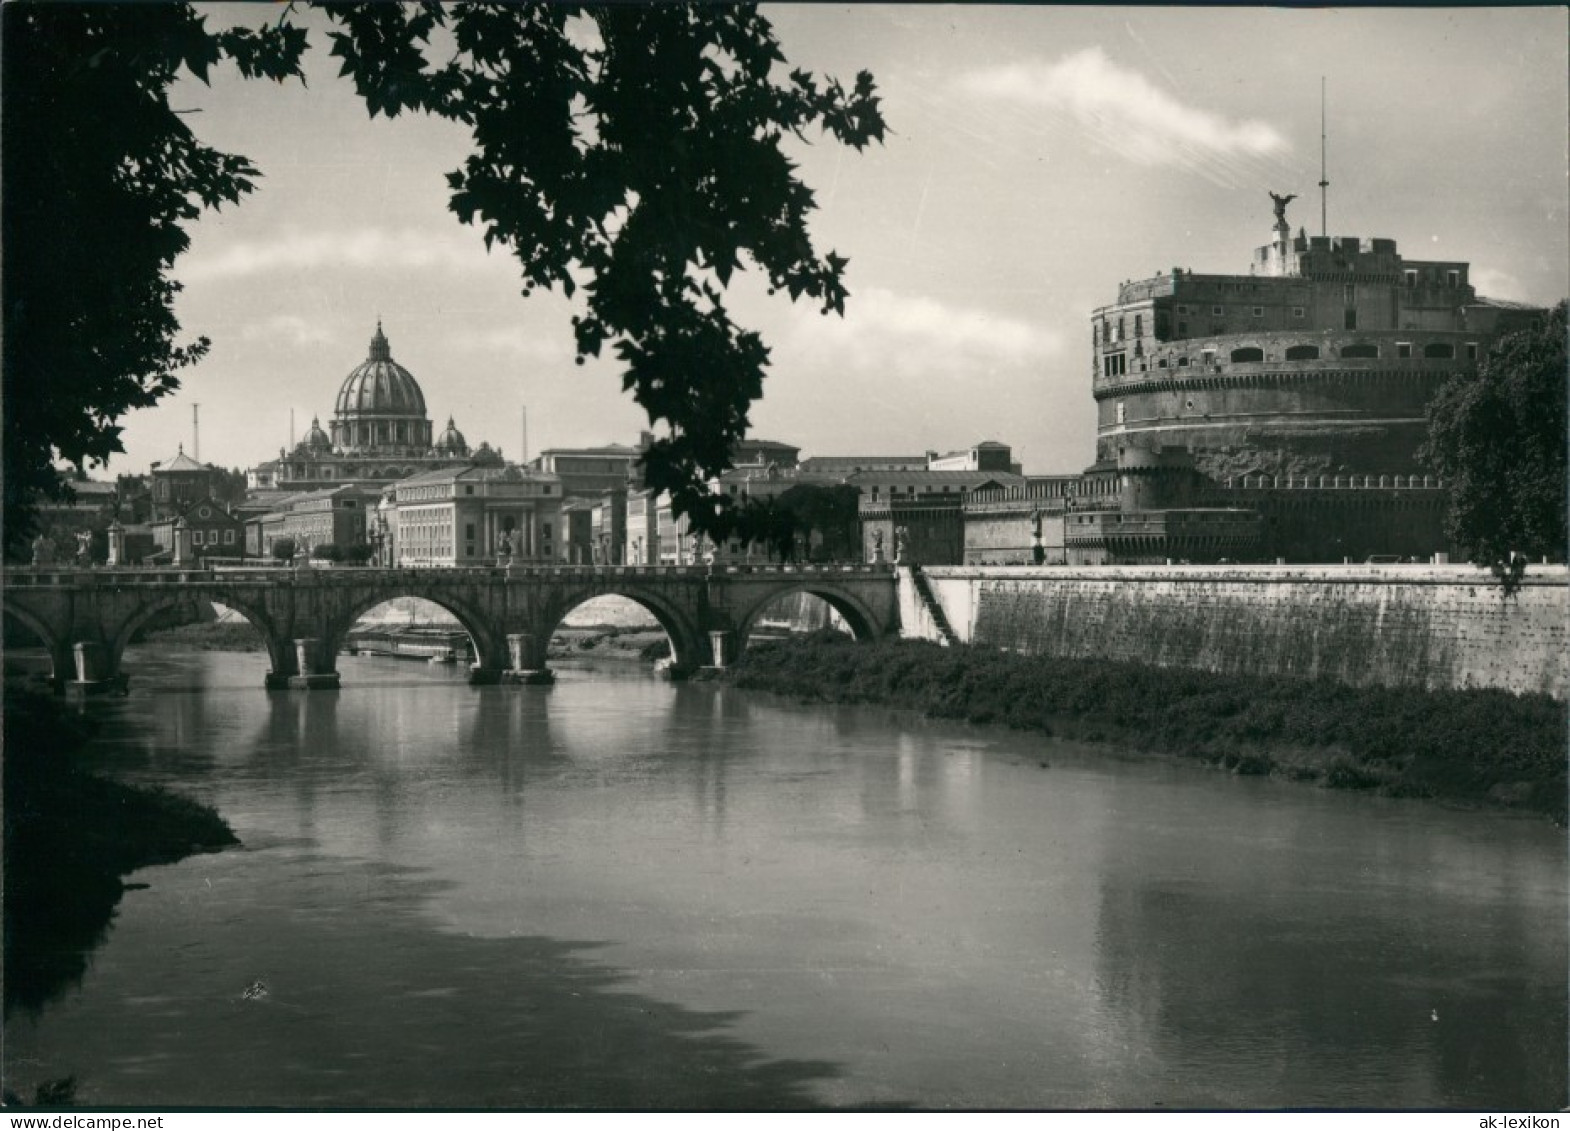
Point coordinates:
[[379, 434]]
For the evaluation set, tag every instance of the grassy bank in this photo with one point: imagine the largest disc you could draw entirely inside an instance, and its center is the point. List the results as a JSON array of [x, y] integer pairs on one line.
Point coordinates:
[[1485, 746], [643, 645], [69, 838], [212, 636]]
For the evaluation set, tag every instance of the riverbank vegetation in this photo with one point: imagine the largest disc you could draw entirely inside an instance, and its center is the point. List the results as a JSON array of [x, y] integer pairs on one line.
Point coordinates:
[[1483, 746], [212, 636], [69, 838]]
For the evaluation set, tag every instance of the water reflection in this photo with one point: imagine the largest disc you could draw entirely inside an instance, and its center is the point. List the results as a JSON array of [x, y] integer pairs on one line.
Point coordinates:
[[367, 1005], [789, 907], [1278, 954]]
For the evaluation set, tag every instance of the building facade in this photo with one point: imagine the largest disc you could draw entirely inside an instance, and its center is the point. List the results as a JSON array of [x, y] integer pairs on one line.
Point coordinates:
[[1319, 361], [178, 483], [1274, 415], [340, 516], [476, 516]]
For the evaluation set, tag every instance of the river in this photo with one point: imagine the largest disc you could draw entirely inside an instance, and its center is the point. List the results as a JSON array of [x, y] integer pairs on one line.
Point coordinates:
[[625, 893]]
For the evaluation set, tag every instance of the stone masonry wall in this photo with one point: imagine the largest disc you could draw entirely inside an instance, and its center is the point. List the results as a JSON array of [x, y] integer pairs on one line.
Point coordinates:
[[1412, 626]]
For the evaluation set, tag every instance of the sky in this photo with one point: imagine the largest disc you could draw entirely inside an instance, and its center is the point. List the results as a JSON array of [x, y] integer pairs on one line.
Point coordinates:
[[1038, 156]]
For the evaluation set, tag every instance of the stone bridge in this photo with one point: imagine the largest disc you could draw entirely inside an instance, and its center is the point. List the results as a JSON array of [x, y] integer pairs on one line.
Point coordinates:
[[86, 617]]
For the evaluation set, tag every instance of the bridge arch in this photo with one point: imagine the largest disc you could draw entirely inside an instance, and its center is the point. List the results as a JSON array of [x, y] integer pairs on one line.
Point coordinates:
[[490, 647], [59, 649], [280, 649], [862, 621], [689, 645]]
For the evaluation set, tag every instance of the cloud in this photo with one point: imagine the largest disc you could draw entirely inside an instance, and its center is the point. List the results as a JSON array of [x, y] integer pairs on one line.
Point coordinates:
[[899, 335], [458, 249], [1494, 283], [1122, 110], [290, 328], [523, 342]]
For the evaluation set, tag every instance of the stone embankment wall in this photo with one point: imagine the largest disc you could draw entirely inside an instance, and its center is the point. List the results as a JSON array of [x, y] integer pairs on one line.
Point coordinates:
[[1391, 626]]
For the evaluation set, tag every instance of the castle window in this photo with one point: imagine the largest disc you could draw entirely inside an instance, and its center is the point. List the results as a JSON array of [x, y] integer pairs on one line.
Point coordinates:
[[1403, 349], [1182, 329], [1120, 327], [1471, 351], [1439, 349], [1360, 349], [1182, 309], [1182, 363], [1248, 353], [1351, 318], [1452, 278], [196, 537], [1218, 311], [228, 537], [1302, 353], [1259, 312], [1139, 326], [1298, 312]]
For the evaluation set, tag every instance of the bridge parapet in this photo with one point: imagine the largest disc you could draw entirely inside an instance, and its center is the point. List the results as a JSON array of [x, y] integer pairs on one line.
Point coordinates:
[[694, 603]]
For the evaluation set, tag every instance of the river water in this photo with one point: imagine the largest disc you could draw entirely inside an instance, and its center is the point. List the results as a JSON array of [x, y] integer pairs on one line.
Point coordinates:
[[621, 892]]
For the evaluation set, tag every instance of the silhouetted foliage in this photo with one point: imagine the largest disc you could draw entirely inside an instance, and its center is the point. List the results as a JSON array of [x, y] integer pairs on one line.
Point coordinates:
[[284, 549], [634, 151], [830, 511], [101, 177], [1473, 745], [1499, 439], [228, 486]]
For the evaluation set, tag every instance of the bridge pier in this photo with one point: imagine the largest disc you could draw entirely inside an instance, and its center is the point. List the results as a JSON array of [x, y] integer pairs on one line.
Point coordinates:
[[315, 667], [722, 645], [95, 671], [526, 656]]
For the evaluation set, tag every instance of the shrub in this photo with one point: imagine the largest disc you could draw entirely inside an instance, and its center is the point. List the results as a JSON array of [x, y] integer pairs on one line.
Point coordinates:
[[327, 552], [357, 554], [284, 549]]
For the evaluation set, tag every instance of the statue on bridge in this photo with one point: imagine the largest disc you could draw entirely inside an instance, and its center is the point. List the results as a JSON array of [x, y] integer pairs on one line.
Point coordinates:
[[901, 542], [43, 551], [504, 550], [84, 548]]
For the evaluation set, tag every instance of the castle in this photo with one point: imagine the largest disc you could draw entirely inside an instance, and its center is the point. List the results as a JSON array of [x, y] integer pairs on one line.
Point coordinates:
[[1261, 416]]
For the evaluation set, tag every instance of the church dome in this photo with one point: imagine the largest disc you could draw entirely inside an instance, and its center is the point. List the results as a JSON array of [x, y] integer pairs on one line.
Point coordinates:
[[379, 386], [452, 441], [316, 438]]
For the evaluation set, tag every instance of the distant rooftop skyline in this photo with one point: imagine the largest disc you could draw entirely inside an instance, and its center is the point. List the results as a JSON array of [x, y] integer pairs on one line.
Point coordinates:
[[1039, 157]]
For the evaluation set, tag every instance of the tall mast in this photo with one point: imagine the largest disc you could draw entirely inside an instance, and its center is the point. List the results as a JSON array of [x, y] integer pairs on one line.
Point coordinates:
[[196, 433], [1324, 227]]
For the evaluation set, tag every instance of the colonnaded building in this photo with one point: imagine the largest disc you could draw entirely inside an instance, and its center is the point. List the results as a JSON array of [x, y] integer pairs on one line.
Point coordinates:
[[1273, 414]]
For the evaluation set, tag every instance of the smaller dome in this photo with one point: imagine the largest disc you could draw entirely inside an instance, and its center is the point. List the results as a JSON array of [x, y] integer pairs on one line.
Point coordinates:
[[451, 440], [316, 439]]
